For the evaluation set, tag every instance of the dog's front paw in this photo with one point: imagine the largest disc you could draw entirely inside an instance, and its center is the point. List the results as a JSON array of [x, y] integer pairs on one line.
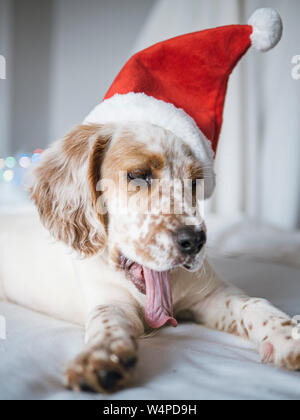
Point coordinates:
[[103, 368], [282, 348]]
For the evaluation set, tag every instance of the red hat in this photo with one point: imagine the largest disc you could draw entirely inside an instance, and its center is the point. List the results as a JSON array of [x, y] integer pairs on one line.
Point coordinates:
[[180, 84]]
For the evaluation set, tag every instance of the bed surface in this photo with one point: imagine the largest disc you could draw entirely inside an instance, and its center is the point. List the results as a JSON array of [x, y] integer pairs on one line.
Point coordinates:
[[191, 362]]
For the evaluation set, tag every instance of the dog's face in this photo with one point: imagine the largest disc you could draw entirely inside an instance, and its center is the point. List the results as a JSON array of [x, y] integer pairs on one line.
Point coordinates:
[[148, 180], [153, 219]]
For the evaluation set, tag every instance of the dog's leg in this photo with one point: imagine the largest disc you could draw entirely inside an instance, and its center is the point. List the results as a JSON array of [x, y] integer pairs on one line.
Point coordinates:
[[113, 324], [108, 360], [225, 308]]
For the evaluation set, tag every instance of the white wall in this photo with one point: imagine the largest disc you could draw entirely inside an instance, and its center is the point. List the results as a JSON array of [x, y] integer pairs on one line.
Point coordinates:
[[31, 74], [62, 56], [91, 42], [5, 85]]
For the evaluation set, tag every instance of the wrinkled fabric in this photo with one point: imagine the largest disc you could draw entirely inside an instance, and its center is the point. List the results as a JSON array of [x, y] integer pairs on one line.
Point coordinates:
[[193, 362]]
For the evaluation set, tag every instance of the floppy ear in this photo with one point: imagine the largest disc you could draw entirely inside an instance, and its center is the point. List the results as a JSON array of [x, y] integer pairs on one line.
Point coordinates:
[[64, 188]]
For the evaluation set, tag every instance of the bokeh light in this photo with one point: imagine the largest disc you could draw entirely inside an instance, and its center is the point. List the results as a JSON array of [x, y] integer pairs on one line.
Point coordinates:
[[10, 162], [10, 167], [36, 157], [8, 175], [25, 161]]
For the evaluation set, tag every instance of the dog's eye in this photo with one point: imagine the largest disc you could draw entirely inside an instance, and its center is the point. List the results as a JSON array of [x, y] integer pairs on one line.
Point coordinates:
[[137, 176]]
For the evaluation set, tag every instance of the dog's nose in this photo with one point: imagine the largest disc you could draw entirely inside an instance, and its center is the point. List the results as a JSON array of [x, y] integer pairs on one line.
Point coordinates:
[[189, 240]]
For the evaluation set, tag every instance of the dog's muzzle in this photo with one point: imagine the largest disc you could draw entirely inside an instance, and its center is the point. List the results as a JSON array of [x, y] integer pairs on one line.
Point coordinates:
[[189, 240]]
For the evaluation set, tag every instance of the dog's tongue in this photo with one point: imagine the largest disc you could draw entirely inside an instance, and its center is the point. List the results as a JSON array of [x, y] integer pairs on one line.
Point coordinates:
[[159, 305]]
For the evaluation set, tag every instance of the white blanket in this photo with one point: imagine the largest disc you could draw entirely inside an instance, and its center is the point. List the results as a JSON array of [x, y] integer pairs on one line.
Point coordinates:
[[190, 362], [250, 240]]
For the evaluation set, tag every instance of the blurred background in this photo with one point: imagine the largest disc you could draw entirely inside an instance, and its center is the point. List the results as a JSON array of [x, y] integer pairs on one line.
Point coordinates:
[[62, 55]]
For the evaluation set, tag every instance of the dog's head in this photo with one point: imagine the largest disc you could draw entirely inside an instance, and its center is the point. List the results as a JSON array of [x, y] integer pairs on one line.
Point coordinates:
[[122, 188]]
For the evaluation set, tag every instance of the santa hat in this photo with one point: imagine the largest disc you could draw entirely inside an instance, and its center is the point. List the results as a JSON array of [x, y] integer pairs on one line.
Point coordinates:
[[180, 84]]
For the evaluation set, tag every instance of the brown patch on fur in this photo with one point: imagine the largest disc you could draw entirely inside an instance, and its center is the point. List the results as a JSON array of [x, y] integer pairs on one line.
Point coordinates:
[[156, 162], [246, 333], [233, 328], [66, 215], [293, 362], [188, 151], [128, 155], [265, 323], [96, 161], [287, 324], [77, 142], [266, 338], [228, 303], [195, 171]]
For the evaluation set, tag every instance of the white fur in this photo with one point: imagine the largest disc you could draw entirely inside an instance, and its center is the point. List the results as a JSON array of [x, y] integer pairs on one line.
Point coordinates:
[[267, 29]]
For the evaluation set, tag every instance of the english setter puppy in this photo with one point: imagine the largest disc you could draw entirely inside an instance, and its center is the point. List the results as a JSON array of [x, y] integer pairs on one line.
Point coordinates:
[[137, 269]]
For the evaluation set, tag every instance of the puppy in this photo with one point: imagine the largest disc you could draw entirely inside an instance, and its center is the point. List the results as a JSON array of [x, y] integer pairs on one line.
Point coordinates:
[[135, 270]]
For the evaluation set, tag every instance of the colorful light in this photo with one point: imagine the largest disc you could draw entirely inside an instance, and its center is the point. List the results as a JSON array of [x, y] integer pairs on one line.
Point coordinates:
[[11, 167], [36, 157], [10, 162], [25, 161], [8, 175]]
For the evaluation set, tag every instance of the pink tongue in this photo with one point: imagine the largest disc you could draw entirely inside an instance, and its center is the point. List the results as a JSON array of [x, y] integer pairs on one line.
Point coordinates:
[[159, 306]]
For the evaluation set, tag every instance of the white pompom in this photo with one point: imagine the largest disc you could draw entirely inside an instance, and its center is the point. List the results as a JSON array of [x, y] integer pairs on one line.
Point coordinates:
[[267, 29]]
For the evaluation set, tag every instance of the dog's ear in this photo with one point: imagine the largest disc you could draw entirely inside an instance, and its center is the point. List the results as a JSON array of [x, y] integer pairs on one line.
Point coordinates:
[[64, 188]]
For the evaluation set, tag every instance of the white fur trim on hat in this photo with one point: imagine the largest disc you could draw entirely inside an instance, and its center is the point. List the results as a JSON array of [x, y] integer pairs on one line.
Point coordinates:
[[267, 29], [139, 107]]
